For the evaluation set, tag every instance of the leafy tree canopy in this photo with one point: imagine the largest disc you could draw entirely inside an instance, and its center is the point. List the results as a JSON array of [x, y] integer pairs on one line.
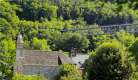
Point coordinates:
[[8, 19], [108, 62], [120, 3]]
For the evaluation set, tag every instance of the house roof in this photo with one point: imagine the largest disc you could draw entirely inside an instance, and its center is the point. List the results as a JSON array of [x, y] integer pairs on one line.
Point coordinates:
[[80, 59], [45, 58]]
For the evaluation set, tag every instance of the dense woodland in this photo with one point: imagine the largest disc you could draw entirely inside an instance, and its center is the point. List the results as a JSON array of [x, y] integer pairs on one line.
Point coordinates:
[[39, 22]]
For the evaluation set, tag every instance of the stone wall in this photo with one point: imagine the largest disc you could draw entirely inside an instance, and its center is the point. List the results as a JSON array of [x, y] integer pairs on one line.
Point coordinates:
[[17, 67], [48, 71]]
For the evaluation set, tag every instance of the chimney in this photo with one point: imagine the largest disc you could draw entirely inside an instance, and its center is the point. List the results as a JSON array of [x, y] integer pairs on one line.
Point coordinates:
[[19, 47], [73, 52]]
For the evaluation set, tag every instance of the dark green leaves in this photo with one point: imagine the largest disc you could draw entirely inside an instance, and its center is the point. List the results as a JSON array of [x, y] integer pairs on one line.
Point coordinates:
[[136, 6], [119, 8], [133, 49], [102, 4], [120, 3], [107, 63], [85, 1]]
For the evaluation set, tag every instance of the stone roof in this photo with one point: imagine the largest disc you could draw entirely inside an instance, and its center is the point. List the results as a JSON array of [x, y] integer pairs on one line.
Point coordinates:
[[45, 58], [80, 59], [79, 66]]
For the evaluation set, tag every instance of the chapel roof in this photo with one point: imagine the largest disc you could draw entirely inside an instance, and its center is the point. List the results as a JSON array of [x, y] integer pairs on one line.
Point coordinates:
[[45, 58]]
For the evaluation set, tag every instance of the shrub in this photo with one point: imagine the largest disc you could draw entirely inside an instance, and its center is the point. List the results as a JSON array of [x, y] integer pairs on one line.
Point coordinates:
[[108, 63], [70, 77], [28, 77], [68, 72]]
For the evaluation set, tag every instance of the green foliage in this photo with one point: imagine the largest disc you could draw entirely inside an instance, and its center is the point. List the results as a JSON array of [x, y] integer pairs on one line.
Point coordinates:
[[70, 77], [67, 53], [2, 49], [125, 38], [7, 58], [39, 44], [69, 40], [96, 41], [108, 62], [134, 51], [35, 10], [28, 77], [68, 72], [104, 16], [8, 19], [130, 3]]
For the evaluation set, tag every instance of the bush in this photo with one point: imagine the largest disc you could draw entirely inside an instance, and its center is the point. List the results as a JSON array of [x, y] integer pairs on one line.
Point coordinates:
[[70, 77], [108, 63], [68, 72], [28, 77]]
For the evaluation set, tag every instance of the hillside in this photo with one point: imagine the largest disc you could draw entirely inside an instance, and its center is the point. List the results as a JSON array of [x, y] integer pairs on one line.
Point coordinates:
[[39, 22]]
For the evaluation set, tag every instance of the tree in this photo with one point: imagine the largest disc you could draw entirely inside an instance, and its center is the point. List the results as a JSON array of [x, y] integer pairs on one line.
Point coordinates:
[[2, 49], [68, 72], [108, 62], [40, 44], [8, 19], [7, 57], [96, 41], [69, 40], [125, 38], [120, 3], [133, 49], [34, 10]]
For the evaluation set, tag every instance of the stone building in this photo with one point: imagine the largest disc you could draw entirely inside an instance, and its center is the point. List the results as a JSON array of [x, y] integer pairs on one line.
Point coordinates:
[[29, 62], [79, 59]]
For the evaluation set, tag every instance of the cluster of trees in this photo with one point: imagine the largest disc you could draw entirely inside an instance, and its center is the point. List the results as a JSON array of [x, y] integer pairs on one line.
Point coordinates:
[[109, 62], [115, 60], [23, 17], [39, 22]]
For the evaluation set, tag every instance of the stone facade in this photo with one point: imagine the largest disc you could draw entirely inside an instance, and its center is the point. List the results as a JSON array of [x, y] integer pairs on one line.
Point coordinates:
[[17, 67], [48, 71]]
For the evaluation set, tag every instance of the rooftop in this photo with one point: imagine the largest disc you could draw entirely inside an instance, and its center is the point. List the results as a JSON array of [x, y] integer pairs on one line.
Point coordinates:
[[45, 58]]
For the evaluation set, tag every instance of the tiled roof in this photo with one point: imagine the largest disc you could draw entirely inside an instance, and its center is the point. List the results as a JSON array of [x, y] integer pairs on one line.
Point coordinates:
[[45, 58]]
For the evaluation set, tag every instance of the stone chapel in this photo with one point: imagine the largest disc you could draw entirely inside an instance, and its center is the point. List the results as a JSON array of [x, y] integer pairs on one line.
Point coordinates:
[[29, 62]]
